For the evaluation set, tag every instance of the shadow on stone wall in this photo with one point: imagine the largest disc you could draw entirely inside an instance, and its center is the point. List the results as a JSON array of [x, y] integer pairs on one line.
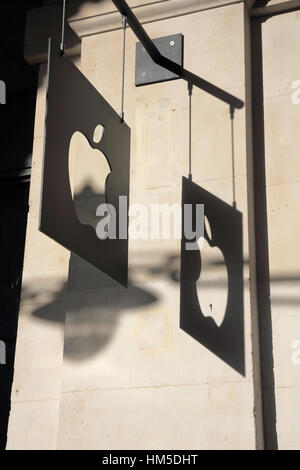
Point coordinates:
[[90, 302], [223, 336]]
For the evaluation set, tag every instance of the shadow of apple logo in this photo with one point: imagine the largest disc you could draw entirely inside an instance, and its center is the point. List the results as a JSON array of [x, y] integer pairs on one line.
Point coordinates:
[[211, 278], [212, 285], [88, 172]]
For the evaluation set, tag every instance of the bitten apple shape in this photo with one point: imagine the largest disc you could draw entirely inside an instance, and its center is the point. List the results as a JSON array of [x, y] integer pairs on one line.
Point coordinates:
[[88, 170], [212, 285]]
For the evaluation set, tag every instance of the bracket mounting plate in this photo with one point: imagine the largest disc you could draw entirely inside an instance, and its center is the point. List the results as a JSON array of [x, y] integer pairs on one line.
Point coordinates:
[[147, 71]]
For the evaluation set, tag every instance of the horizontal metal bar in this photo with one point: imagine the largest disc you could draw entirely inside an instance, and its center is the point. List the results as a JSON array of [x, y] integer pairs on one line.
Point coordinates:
[[286, 6], [168, 64]]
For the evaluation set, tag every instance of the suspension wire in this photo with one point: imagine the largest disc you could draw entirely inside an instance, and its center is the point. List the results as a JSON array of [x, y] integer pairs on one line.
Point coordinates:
[[62, 44], [232, 156], [190, 90], [124, 24]]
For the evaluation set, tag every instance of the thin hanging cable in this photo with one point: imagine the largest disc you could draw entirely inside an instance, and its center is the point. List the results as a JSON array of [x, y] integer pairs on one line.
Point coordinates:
[[232, 155], [190, 89], [124, 24], [62, 44]]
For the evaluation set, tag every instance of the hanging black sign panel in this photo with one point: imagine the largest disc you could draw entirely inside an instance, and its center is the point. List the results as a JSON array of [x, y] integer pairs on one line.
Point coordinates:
[[73, 104], [225, 339]]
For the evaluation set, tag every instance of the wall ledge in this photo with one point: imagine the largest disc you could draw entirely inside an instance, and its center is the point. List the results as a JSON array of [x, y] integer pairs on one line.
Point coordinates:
[[91, 19]]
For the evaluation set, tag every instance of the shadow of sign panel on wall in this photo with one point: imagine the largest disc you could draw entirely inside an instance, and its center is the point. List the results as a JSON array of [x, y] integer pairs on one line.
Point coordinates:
[[227, 339], [73, 104]]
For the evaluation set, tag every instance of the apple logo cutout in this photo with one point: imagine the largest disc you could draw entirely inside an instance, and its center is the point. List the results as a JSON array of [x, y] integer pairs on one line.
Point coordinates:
[[212, 284], [88, 172], [79, 123]]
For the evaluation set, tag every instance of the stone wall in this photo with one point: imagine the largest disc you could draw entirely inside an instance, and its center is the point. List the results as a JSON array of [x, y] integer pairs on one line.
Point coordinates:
[[99, 366]]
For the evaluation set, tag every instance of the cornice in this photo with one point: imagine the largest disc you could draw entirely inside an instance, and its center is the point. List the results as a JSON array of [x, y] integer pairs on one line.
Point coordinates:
[[96, 18], [104, 19]]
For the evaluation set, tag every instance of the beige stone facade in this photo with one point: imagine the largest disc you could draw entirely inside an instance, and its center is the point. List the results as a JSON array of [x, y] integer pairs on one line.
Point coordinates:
[[98, 366]]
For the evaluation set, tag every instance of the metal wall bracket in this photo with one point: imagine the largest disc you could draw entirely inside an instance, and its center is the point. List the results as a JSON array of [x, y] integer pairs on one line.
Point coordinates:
[[147, 71]]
